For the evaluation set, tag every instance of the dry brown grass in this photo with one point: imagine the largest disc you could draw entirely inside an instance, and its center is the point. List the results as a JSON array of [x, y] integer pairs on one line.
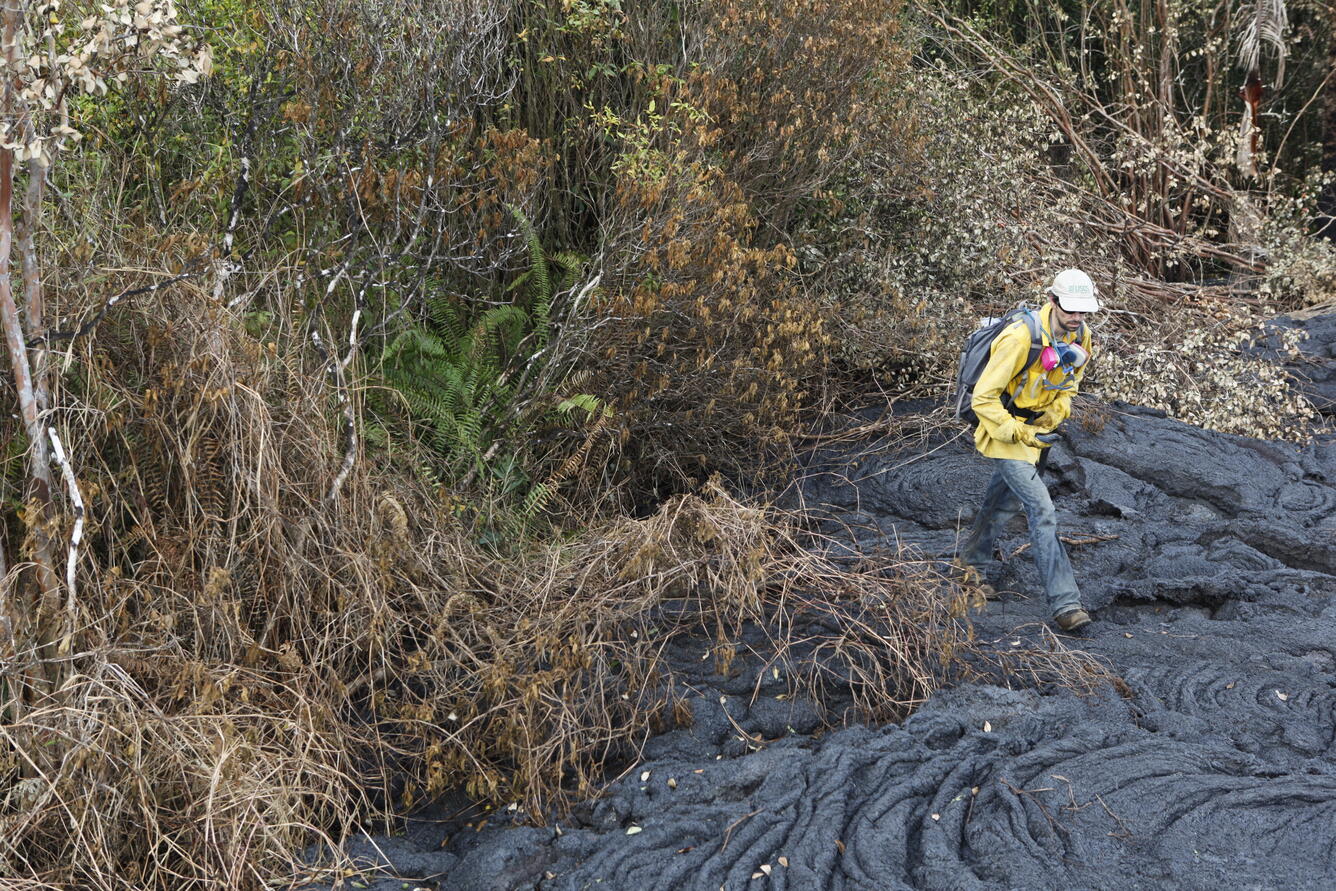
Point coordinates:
[[255, 667], [197, 735]]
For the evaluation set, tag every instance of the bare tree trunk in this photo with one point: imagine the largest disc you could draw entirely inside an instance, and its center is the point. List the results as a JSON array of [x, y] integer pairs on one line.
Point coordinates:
[[26, 235], [34, 299], [41, 611]]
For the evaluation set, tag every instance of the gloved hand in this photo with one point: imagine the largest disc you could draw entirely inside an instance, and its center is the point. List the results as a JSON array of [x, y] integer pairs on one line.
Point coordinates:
[[1027, 435], [1049, 420]]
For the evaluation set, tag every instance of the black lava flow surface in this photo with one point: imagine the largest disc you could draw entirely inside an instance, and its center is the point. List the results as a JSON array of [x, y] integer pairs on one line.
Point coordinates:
[[1209, 564]]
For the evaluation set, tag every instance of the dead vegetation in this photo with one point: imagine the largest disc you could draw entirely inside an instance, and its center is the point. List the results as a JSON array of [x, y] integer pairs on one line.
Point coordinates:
[[284, 625], [254, 665]]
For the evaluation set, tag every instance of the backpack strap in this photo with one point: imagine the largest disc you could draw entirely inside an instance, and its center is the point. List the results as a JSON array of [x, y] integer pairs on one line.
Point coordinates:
[[1036, 338], [1036, 347]]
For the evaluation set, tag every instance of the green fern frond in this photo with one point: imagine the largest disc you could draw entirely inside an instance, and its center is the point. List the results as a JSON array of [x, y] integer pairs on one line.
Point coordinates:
[[535, 500], [570, 264], [498, 318], [376, 435], [537, 281], [457, 373], [443, 308], [537, 276], [587, 401]]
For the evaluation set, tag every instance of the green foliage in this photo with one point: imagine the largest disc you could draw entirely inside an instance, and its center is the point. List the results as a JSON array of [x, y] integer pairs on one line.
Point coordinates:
[[451, 372], [537, 282], [463, 374], [592, 405]]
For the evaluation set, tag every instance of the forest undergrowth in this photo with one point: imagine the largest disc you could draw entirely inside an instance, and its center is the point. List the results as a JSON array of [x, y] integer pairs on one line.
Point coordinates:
[[386, 373], [256, 662]]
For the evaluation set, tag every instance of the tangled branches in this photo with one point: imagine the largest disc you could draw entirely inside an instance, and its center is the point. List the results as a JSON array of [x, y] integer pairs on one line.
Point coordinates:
[[254, 666]]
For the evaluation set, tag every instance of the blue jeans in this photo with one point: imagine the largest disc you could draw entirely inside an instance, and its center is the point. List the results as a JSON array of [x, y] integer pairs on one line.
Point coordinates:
[[1016, 486]]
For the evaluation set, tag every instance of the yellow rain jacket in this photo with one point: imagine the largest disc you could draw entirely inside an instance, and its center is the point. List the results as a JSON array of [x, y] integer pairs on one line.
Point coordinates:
[[995, 436]]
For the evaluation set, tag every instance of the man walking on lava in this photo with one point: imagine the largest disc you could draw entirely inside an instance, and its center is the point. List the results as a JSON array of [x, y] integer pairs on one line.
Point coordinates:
[[1023, 393]]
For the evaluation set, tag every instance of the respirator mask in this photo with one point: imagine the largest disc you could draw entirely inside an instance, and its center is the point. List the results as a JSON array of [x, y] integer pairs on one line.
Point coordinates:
[[1068, 356]]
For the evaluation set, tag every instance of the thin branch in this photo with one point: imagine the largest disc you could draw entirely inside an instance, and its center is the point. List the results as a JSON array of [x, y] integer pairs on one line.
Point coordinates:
[[1298, 116], [226, 265], [336, 367], [76, 536], [47, 337], [349, 416]]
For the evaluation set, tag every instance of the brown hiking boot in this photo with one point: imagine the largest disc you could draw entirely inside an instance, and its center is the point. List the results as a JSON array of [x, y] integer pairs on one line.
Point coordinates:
[[1072, 619]]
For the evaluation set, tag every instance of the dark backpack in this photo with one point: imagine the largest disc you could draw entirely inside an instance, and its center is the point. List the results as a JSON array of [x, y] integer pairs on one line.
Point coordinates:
[[978, 348]]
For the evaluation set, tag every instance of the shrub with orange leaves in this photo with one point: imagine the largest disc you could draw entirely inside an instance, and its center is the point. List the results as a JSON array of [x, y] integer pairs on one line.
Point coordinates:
[[786, 87], [711, 341], [711, 333]]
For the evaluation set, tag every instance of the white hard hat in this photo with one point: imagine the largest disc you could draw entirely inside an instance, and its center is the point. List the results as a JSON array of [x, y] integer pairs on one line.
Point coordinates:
[[1075, 291]]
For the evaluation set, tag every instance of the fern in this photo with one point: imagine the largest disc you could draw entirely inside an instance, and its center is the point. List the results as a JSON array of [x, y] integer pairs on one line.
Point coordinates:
[[591, 404], [451, 374], [456, 372], [538, 283], [13, 468], [593, 407], [446, 315]]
